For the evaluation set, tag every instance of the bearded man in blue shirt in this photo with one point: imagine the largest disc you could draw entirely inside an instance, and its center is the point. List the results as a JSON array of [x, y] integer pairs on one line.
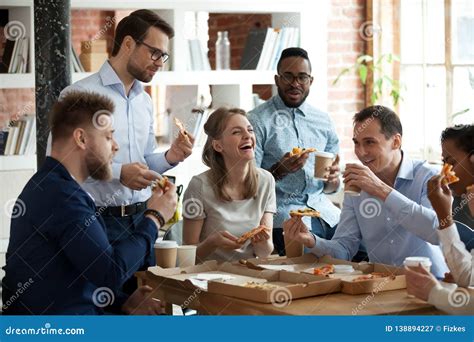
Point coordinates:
[[58, 243]]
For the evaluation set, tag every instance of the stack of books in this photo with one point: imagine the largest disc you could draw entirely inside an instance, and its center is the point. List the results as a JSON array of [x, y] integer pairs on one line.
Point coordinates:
[[15, 56], [264, 46], [93, 54], [19, 138]]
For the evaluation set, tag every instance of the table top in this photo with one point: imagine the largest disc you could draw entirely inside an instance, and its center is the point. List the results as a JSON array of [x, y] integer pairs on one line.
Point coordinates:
[[395, 302]]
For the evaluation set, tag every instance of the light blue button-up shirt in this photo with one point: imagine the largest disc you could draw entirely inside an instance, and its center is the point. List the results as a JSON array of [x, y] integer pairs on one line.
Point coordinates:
[[278, 129], [133, 124], [404, 225]]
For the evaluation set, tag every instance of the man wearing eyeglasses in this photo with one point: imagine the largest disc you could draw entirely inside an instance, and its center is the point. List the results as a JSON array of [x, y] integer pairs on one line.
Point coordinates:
[[286, 121], [140, 50]]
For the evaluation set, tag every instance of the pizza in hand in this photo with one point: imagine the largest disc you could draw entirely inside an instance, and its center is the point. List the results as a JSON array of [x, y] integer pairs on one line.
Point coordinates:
[[305, 212], [162, 182], [300, 150], [250, 234], [449, 176], [182, 129]]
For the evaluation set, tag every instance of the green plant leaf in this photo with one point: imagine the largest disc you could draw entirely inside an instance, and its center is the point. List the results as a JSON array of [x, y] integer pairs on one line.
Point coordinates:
[[363, 73], [364, 59], [343, 72]]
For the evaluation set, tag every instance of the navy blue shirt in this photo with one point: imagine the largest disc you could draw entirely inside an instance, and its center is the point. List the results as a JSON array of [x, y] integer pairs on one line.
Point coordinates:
[[59, 260]]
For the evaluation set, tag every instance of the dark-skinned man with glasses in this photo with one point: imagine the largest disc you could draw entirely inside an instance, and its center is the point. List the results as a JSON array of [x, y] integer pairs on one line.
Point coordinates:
[[286, 121], [140, 49]]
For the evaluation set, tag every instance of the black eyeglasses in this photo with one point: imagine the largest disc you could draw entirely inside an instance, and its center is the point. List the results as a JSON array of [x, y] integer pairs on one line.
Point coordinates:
[[156, 54], [302, 79]]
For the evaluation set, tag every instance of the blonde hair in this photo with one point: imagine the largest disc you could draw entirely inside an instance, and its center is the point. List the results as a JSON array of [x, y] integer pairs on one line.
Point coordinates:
[[214, 128]]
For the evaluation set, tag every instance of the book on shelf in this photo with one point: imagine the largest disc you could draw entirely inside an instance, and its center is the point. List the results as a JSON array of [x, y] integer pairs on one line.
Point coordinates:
[[198, 60], [263, 47], [15, 56], [19, 138]]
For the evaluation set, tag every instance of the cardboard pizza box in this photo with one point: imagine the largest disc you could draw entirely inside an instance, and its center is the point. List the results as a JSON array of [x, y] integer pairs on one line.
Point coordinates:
[[305, 264], [231, 280]]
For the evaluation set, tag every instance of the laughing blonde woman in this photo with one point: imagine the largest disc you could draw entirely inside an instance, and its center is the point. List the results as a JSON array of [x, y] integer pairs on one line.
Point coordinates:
[[232, 197]]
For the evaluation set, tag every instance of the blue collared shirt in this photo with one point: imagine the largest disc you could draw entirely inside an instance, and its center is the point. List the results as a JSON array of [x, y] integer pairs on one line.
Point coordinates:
[[404, 225], [133, 124], [278, 129], [59, 260]]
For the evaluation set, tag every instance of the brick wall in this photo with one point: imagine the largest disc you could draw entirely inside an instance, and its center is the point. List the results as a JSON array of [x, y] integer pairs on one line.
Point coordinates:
[[92, 25], [345, 44]]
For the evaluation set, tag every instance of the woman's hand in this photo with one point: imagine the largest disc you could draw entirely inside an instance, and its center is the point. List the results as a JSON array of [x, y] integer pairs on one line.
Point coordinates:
[[420, 282], [223, 239], [440, 197], [263, 236]]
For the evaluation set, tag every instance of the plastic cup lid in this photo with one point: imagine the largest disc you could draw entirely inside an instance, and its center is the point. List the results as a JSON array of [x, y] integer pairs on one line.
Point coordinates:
[[187, 247], [166, 244], [416, 260], [324, 154]]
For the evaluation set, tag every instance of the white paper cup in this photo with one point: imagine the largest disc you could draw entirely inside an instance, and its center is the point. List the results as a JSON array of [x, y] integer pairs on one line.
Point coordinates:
[[166, 253], [322, 160], [186, 256], [415, 261]]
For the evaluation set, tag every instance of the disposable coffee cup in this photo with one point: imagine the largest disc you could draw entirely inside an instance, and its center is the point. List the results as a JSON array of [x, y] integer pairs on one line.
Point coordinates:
[[415, 261], [351, 190], [166, 253], [322, 161], [293, 248], [186, 256]]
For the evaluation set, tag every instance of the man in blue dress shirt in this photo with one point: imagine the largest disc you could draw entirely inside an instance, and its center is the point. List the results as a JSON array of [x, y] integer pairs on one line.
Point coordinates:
[[392, 216], [58, 245], [140, 50], [285, 121]]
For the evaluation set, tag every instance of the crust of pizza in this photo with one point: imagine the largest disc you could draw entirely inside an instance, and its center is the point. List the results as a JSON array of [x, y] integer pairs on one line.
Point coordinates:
[[300, 150], [182, 129], [305, 212], [250, 234], [324, 270], [449, 176], [371, 276]]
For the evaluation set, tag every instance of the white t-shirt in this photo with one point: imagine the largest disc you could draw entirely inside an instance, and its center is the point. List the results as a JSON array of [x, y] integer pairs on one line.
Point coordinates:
[[237, 216]]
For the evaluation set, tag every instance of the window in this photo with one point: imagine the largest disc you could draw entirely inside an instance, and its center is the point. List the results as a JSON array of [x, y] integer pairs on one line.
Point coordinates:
[[437, 67]]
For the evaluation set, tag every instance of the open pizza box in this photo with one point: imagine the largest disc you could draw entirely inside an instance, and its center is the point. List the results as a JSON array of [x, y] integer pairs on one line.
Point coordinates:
[[391, 278], [265, 286]]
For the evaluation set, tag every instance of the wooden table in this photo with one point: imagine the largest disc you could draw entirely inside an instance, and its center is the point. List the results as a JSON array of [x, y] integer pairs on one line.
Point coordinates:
[[394, 302]]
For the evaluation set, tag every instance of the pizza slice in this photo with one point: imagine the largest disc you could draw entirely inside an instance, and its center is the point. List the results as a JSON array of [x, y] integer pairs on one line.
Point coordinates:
[[449, 176], [305, 212], [250, 234], [161, 182], [470, 188], [300, 150], [324, 270], [182, 129]]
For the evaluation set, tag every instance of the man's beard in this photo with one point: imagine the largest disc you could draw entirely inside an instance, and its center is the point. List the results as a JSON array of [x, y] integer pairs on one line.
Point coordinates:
[[97, 169], [138, 73], [291, 105]]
